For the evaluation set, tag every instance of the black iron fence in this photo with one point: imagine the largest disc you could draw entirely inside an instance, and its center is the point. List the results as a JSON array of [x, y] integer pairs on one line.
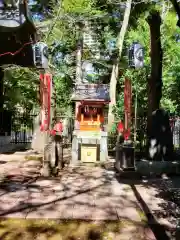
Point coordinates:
[[22, 128], [175, 128], [139, 130]]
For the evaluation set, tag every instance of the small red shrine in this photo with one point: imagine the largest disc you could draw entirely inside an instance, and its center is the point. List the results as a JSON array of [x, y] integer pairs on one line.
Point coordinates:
[[90, 131], [91, 116]]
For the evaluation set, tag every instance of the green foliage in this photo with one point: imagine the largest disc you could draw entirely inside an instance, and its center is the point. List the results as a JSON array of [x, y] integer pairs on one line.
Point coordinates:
[[113, 129], [65, 28], [78, 6], [138, 77], [67, 23], [21, 87], [63, 86], [171, 67]]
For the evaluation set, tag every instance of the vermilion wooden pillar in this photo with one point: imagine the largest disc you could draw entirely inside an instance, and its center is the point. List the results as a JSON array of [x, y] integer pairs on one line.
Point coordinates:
[[45, 96], [127, 106]]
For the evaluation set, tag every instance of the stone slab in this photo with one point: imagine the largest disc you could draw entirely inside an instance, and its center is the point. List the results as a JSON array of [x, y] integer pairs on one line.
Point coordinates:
[[104, 214], [83, 193], [82, 212], [47, 212], [64, 209], [12, 200], [129, 213], [21, 215]]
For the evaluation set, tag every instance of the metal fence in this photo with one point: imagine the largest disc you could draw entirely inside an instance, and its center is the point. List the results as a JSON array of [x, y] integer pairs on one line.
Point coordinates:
[[22, 128], [175, 128], [141, 131]]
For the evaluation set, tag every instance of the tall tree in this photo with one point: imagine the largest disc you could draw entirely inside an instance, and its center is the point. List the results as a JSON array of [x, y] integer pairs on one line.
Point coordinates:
[[160, 144], [155, 80], [1, 89], [115, 67]]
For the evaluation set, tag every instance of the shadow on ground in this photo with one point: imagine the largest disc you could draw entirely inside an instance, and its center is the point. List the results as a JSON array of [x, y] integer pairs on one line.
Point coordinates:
[[78, 195], [83, 194], [162, 216]]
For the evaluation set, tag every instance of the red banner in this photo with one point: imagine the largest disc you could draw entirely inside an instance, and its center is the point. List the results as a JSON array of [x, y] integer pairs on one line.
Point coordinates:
[[45, 96], [127, 102]]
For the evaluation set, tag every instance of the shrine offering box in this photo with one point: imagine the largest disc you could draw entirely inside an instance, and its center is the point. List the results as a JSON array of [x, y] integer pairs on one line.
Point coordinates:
[[88, 153]]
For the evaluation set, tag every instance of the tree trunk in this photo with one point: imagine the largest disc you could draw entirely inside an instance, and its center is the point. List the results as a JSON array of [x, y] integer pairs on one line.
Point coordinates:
[[1, 101], [79, 61], [1, 89], [112, 92], [155, 80], [159, 136], [115, 68]]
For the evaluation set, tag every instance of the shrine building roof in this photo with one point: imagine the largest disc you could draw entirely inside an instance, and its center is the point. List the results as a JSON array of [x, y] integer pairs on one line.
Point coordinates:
[[91, 92]]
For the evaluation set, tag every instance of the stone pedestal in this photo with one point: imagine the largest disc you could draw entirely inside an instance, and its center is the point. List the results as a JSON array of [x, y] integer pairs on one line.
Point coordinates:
[[89, 138], [74, 160], [125, 157], [38, 136], [104, 147]]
